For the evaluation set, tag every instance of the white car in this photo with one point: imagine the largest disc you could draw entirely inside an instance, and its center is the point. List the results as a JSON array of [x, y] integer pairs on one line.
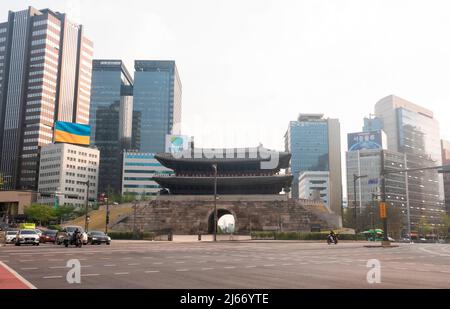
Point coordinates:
[[11, 237], [27, 237], [39, 232]]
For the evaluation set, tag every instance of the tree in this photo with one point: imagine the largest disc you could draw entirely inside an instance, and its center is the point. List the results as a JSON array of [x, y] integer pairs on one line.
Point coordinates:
[[40, 213], [423, 227], [64, 212], [444, 228]]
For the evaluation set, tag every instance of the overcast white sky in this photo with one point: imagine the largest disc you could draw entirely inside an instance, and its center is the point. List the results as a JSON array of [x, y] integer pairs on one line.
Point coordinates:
[[249, 67]]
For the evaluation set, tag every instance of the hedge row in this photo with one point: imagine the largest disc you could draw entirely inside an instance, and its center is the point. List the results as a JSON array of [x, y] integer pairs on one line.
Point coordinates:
[[300, 236], [130, 235]]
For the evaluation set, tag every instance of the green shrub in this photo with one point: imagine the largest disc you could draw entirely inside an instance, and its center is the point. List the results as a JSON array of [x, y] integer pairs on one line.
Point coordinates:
[[300, 236], [54, 227], [129, 235]]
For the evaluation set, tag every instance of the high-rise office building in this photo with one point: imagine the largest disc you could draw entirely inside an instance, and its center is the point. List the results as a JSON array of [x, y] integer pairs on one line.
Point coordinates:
[[409, 128], [157, 99], [111, 119], [45, 76], [445, 145], [315, 144], [412, 141]]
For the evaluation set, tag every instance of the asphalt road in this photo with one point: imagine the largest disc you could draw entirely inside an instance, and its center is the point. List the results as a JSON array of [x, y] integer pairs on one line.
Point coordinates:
[[258, 265]]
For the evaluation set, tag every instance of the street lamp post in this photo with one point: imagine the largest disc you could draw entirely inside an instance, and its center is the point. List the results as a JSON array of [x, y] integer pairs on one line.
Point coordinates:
[[86, 220], [107, 215], [355, 178], [215, 201], [134, 220]]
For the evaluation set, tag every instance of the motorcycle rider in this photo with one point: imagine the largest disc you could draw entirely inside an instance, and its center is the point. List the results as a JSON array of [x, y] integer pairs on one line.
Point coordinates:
[[75, 236], [333, 237]]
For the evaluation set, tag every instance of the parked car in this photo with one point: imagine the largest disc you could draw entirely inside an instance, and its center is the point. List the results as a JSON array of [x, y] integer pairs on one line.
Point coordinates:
[[48, 236], [67, 232], [11, 237], [27, 237], [98, 237]]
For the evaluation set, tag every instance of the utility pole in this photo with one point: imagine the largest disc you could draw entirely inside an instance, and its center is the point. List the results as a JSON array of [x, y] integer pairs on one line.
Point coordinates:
[[355, 178], [215, 201], [134, 220]]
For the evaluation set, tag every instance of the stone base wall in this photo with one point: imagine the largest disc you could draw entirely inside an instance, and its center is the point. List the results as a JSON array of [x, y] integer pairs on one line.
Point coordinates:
[[195, 216]]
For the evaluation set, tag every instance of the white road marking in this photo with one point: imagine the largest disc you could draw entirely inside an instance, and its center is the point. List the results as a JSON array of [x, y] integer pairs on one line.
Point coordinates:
[[158, 263], [29, 268], [110, 265], [151, 271], [133, 264], [184, 269], [207, 268], [52, 277], [57, 267], [230, 267], [121, 273], [181, 262], [250, 266], [432, 252], [269, 265], [287, 264], [25, 260], [90, 275]]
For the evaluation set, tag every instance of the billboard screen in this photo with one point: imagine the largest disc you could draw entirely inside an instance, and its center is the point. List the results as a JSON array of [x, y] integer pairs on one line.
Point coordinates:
[[72, 133], [178, 143], [365, 140]]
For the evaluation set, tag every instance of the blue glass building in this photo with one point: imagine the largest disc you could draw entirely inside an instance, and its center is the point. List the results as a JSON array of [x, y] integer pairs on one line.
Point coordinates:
[[111, 119], [314, 142], [157, 97]]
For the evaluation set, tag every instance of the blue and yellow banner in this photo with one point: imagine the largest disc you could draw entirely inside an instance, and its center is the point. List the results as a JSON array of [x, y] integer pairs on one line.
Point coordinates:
[[72, 133]]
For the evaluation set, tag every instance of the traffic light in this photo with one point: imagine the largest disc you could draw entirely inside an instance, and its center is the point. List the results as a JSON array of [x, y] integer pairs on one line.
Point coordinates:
[[444, 170]]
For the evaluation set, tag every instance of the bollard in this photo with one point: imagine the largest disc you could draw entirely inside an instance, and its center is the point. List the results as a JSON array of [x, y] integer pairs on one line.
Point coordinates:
[[199, 237], [170, 237]]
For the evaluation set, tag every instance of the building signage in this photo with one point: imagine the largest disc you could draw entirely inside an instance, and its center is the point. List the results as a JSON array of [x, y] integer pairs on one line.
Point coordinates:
[[178, 143], [383, 212], [365, 140]]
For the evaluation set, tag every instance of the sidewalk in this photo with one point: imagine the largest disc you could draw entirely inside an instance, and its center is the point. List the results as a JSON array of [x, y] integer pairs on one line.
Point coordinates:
[[9, 279]]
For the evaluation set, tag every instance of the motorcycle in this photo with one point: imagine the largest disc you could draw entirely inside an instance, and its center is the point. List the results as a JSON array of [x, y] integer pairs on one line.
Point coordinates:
[[332, 239], [77, 241]]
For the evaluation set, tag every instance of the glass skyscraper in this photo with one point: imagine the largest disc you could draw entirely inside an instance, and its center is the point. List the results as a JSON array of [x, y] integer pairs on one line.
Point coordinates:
[[111, 119], [412, 130], [157, 99], [45, 76], [314, 142]]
